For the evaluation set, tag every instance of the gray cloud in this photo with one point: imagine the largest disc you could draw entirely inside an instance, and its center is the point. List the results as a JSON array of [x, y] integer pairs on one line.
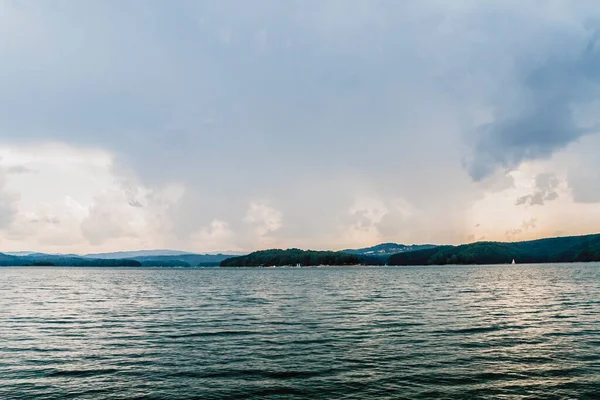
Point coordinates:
[[135, 203], [584, 172], [542, 120], [19, 169], [498, 182], [46, 219], [545, 185], [585, 187], [527, 225], [306, 105]]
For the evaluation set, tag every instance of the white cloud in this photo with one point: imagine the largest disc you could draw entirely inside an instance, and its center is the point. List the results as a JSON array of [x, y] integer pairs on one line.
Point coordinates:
[[218, 236], [76, 203], [263, 218], [109, 218]]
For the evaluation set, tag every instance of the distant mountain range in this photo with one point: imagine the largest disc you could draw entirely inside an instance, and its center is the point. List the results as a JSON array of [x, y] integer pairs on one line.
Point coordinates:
[[146, 258], [137, 253], [18, 253], [560, 249], [40, 259]]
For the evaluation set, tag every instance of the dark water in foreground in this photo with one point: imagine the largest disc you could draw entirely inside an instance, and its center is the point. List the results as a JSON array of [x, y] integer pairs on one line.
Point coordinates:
[[344, 333]]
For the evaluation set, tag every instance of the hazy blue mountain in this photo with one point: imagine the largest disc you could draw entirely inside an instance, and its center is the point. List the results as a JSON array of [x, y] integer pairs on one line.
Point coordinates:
[[137, 253], [192, 260], [147, 258], [7, 259], [167, 258], [38, 254], [40, 259]]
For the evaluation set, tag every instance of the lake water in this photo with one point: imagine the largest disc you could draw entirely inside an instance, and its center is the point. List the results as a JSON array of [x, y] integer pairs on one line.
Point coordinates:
[[454, 332]]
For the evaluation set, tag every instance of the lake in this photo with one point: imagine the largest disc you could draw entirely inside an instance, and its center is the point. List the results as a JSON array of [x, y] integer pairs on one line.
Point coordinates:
[[452, 332]]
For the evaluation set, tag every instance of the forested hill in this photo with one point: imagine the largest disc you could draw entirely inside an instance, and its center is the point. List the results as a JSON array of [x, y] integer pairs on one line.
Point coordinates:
[[166, 258], [387, 249], [379, 254], [291, 257], [177, 260], [55, 260], [553, 250], [182, 260]]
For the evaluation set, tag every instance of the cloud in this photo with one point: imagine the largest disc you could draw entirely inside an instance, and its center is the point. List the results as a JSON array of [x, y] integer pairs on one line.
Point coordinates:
[[583, 171], [278, 119], [19, 169], [218, 236], [105, 221], [8, 204], [585, 186], [263, 219], [512, 233], [498, 182], [135, 203], [538, 119], [527, 225], [113, 215], [45, 220], [545, 185]]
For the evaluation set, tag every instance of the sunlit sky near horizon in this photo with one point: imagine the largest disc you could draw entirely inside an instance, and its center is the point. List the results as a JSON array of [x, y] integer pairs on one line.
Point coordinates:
[[239, 125]]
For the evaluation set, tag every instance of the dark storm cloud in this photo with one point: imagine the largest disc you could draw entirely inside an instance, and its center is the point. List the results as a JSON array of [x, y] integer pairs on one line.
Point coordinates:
[[544, 120]]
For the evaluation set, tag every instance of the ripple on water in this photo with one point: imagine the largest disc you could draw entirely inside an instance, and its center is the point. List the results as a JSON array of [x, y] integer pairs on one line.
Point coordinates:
[[529, 331]]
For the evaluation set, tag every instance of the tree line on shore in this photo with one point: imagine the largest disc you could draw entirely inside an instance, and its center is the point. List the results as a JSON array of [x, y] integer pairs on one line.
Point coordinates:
[[552, 250]]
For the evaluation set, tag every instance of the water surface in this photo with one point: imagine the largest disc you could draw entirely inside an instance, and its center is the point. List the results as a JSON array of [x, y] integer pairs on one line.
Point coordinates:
[[524, 331]]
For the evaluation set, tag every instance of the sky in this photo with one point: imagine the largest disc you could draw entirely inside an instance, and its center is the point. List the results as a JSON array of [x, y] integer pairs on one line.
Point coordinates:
[[235, 125]]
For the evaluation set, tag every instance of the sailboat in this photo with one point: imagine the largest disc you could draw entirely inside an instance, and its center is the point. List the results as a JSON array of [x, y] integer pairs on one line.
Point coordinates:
[[513, 261]]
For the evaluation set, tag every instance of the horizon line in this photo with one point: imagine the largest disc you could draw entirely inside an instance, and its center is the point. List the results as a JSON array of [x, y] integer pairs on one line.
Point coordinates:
[[232, 252]]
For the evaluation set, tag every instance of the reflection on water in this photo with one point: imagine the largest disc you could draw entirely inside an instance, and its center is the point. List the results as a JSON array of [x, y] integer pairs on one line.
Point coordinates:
[[422, 332]]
